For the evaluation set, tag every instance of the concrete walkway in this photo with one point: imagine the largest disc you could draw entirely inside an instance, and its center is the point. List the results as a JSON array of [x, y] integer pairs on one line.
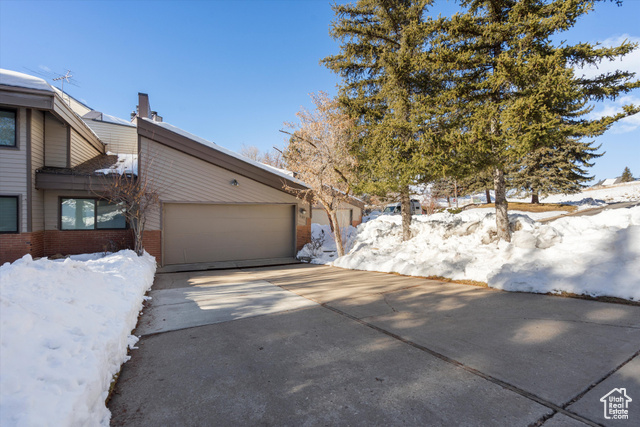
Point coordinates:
[[316, 345]]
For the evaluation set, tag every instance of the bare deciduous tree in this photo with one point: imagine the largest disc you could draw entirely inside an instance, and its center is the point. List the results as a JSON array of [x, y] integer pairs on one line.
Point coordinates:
[[271, 157], [318, 152], [138, 194]]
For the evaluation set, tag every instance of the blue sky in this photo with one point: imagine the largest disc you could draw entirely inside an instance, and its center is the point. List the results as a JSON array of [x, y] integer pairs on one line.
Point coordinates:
[[231, 71]]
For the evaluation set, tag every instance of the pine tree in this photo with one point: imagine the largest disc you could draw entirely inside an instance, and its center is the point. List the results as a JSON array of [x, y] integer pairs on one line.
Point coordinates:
[[476, 182], [626, 175], [558, 168], [384, 89], [514, 86]]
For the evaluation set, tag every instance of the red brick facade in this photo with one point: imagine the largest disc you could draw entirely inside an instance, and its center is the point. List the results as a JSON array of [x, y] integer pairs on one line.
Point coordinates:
[[356, 223], [303, 235], [53, 242], [152, 242], [15, 246]]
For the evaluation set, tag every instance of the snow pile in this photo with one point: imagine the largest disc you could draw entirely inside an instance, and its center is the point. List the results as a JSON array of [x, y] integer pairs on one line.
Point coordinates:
[[127, 163], [594, 255], [322, 248], [65, 332], [589, 198]]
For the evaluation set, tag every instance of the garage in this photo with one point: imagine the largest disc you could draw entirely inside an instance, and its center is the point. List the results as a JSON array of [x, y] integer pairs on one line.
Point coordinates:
[[225, 232]]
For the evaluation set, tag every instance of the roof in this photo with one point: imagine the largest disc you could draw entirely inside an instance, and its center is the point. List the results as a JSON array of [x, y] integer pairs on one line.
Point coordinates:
[[16, 79], [226, 154], [97, 116]]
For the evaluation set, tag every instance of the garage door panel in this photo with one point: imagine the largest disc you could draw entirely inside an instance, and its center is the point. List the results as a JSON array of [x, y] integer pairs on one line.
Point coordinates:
[[209, 233]]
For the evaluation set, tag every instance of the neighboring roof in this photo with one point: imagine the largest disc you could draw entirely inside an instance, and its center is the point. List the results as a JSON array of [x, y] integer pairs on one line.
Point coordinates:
[[97, 116], [102, 161], [226, 154], [14, 78]]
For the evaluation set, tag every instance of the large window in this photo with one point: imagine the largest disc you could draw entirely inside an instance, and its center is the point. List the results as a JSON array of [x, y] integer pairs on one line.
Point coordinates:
[[9, 214], [7, 128], [91, 214]]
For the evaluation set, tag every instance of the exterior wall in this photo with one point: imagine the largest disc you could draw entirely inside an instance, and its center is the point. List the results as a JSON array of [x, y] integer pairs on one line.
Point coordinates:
[[37, 161], [56, 137], [119, 139], [303, 234], [13, 169], [348, 214], [86, 241], [81, 150], [15, 246], [183, 179], [152, 242]]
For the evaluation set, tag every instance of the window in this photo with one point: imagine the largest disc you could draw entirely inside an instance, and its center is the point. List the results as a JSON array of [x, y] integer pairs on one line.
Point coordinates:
[[9, 214], [91, 214], [7, 128]]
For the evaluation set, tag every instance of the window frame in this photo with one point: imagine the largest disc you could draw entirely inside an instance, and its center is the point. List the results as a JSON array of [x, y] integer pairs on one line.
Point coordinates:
[[95, 215], [18, 212], [16, 145]]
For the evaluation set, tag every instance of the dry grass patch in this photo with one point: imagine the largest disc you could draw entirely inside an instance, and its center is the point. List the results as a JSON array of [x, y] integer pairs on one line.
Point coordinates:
[[531, 207]]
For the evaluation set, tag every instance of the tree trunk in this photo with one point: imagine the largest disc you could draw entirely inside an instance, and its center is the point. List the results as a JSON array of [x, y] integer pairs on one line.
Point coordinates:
[[455, 192], [405, 203], [488, 194], [534, 196], [337, 235], [502, 220]]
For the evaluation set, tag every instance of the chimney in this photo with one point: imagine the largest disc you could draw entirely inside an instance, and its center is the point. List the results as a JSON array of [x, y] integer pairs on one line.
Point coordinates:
[[155, 117], [143, 105]]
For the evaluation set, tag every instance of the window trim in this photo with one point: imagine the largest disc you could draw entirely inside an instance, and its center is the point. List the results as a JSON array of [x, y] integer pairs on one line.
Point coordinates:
[[95, 215], [16, 111], [18, 198]]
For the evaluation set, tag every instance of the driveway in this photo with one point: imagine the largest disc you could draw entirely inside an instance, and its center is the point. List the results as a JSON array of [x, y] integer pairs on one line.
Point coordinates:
[[316, 345]]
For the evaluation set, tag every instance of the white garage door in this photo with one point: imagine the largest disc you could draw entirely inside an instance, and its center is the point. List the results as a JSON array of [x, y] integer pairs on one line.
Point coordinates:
[[209, 233]]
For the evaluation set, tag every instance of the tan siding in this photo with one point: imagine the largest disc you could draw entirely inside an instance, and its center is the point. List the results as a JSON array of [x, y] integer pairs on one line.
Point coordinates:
[[55, 137], [117, 138], [81, 150], [13, 169], [344, 216], [182, 179], [37, 161]]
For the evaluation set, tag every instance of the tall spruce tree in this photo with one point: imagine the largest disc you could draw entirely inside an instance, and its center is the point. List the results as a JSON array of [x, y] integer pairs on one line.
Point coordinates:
[[626, 175], [559, 168], [385, 89], [515, 88]]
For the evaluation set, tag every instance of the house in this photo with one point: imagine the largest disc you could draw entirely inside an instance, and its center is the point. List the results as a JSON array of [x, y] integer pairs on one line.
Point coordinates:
[[349, 213], [215, 205]]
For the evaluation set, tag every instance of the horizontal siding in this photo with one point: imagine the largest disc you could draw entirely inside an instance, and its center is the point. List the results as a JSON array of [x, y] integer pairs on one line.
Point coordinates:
[[81, 150], [181, 178], [117, 138], [13, 169], [37, 161], [55, 137]]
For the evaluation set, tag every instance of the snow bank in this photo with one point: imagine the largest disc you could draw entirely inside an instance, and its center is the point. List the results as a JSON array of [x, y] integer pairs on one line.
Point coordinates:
[[65, 331], [322, 248], [594, 255]]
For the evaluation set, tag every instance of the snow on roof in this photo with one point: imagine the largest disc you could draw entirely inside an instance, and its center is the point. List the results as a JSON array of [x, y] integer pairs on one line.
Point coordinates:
[[14, 78], [216, 147], [117, 120], [608, 181]]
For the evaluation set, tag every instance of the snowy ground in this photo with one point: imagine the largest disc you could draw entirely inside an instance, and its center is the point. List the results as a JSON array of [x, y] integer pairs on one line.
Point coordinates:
[[65, 331], [593, 255]]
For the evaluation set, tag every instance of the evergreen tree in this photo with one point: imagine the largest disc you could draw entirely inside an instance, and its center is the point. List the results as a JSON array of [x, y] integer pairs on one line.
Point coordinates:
[[558, 168], [514, 87], [386, 90], [477, 182], [626, 175]]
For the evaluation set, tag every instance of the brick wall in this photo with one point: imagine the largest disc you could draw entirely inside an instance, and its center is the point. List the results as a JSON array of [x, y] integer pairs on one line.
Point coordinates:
[[303, 235], [152, 242], [356, 223], [15, 246], [86, 241]]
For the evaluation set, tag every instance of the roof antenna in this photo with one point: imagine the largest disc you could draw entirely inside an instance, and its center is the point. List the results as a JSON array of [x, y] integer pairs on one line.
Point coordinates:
[[63, 78]]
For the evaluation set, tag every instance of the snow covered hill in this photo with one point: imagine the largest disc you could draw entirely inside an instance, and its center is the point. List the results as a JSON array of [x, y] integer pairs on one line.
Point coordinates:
[[594, 255]]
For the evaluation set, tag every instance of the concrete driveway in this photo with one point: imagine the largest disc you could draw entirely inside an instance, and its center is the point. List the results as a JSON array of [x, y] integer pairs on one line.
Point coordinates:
[[315, 345]]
